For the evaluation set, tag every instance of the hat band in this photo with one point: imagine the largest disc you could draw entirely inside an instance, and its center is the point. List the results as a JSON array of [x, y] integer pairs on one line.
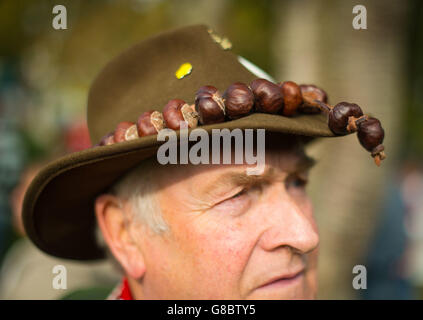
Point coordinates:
[[261, 95]]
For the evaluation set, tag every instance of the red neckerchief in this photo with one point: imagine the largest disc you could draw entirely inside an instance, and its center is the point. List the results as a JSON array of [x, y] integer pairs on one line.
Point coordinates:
[[121, 291], [125, 291]]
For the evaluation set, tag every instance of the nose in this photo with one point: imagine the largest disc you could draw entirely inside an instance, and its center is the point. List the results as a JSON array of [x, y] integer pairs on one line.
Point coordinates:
[[286, 223]]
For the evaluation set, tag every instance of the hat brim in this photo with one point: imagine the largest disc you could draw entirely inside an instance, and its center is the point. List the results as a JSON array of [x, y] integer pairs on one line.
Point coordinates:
[[58, 208]]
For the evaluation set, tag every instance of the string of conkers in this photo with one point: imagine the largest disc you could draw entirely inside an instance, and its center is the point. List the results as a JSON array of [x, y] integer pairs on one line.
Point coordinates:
[[345, 118], [239, 100]]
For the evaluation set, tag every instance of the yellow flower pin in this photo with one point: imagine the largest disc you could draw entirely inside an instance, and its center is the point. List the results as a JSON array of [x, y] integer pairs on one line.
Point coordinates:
[[184, 70]]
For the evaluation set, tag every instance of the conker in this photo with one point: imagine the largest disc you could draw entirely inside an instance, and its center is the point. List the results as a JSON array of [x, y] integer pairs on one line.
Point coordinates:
[[108, 139], [209, 105], [292, 98], [131, 133], [120, 131], [310, 93], [209, 111], [239, 100], [208, 92], [268, 96], [176, 110], [371, 134], [149, 123], [339, 117]]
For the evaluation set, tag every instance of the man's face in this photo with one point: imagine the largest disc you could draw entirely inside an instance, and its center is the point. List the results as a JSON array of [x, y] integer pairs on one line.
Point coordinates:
[[234, 236]]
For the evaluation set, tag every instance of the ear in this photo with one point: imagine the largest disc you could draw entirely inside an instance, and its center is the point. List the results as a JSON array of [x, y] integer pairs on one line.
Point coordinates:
[[111, 220]]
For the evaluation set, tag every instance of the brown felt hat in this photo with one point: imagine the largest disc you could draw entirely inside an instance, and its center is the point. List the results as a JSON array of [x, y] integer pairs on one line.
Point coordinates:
[[58, 209]]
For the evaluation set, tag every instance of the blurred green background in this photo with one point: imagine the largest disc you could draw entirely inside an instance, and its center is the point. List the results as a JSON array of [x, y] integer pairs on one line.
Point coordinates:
[[45, 76]]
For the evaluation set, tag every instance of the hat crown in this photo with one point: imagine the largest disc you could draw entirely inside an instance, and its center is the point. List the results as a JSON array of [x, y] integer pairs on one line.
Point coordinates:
[[143, 77]]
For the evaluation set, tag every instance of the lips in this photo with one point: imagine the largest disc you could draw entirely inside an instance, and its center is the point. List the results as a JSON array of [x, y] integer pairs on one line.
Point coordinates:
[[285, 279]]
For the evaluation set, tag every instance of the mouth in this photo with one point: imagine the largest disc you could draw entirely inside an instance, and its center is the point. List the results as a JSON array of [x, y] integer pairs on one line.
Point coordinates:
[[285, 280]]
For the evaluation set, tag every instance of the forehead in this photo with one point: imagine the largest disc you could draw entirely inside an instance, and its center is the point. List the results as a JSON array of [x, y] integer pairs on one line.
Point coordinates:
[[282, 153]]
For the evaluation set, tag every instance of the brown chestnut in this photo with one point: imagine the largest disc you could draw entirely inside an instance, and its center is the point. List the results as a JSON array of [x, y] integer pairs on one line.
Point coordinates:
[[120, 131], [131, 133], [108, 139], [371, 134], [176, 110], [209, 92], [292, 98], [339, 117], [149, 123], [310, 93], [268, 96], [209, 105], [239, 100], [209, 111]]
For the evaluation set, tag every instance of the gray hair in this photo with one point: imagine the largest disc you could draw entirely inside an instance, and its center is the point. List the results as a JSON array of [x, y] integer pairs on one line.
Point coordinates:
[[138, 187]]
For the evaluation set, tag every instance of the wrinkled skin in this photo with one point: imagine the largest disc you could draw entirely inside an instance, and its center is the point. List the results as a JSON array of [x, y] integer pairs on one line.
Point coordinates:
[[230, 234]]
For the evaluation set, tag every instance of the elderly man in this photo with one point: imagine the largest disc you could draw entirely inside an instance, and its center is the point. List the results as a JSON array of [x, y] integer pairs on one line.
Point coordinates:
[[212, 230]]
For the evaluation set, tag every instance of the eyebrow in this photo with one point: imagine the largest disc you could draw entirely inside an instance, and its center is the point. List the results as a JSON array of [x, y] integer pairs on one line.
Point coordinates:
[[306, 163], [241, 178]]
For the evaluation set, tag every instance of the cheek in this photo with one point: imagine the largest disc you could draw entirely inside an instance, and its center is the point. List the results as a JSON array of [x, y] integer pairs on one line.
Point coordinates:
[[219, 249], [221, 244]]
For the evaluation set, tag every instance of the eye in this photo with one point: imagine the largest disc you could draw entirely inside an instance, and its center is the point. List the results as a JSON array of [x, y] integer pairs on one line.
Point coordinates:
[[236, 204], [296, 182], [239, 194], [232, 199]]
